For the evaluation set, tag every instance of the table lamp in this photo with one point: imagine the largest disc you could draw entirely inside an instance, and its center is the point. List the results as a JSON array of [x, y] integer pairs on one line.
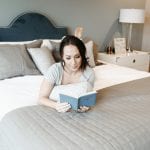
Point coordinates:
[[131, 16]]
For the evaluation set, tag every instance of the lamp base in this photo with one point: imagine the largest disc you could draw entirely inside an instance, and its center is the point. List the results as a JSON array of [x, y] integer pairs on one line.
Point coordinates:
[[129, 50]]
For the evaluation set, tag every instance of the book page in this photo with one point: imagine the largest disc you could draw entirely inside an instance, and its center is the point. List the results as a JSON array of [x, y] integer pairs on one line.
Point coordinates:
[[74, 90]]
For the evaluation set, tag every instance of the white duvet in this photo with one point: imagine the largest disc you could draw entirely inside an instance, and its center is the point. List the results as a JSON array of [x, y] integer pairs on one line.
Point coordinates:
[[23, 91]]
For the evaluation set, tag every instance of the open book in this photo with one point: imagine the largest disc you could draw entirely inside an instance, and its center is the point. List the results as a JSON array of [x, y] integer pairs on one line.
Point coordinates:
[[88, 99]]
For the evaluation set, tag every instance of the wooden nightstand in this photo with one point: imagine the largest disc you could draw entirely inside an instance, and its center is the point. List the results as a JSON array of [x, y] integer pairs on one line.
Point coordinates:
[[137, 59]]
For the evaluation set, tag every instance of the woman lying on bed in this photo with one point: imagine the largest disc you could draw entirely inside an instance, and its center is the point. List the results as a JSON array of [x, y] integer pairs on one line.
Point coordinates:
[[72, 69]]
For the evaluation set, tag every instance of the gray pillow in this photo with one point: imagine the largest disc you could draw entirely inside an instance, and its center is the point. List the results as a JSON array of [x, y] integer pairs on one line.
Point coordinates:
[[42, 57], [55, 50], [90, 53], [15, 61]]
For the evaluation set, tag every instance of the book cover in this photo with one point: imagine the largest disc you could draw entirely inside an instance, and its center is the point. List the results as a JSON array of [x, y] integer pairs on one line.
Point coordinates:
[[88, 99]]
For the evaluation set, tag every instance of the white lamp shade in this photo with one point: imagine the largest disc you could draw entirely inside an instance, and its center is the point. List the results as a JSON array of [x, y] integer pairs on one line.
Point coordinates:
[[132, 15]]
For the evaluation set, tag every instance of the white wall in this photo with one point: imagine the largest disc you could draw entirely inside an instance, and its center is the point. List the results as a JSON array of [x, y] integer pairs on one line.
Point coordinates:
[[146, 32], [98, 17]]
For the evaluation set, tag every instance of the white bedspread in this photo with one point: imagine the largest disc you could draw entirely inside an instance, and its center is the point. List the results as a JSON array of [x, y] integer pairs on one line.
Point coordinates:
[[23, 91], [110, 74]]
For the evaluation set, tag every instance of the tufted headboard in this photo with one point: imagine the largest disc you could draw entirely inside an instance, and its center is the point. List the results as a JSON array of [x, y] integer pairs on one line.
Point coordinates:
[[31, 26]]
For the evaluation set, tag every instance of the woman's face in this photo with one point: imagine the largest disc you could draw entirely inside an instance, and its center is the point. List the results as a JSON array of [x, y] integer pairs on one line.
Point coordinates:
[[72, 58]]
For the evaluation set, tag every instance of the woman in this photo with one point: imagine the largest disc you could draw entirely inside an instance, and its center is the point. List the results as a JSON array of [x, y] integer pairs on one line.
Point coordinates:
[[73, 68]]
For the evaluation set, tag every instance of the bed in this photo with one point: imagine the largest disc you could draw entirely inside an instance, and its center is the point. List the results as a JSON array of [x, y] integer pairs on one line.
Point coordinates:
[[119, 121]]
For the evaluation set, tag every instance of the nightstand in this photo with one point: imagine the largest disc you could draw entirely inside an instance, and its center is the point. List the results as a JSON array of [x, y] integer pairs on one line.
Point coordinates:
[[137, 59]]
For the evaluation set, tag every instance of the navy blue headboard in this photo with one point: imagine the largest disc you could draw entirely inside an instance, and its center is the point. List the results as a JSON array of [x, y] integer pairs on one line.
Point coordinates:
[[31, 26]]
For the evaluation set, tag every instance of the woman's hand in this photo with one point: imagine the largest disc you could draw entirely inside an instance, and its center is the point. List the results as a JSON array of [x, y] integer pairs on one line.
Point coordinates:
[[83, 109], [62, 107]]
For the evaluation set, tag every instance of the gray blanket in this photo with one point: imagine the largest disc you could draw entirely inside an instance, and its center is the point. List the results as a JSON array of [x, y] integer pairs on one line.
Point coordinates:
[[119, 121]]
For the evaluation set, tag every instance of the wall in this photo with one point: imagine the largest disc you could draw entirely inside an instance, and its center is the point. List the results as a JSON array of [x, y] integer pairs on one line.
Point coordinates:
[[146, 32], [99, 18]]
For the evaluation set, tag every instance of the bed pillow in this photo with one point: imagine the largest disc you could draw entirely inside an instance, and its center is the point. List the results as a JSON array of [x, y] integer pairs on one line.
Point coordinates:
[[74, 90], [47, 43], [55, 49], [30, 43], [89, 53], [53, 45], [34, 44], [42, 57], [15, 61], [95, 52]]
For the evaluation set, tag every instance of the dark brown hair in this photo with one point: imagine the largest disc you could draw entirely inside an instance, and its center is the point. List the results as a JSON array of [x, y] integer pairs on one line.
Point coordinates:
[[72, 40]]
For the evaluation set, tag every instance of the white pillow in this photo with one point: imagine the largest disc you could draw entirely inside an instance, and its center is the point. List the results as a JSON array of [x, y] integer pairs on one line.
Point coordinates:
[[18, 42], [53, 46], [46, 43], [89, 53], [74, 90], [42, 57]]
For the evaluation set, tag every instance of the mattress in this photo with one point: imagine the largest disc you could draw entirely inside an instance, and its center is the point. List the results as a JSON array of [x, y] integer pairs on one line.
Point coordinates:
[[119, 121]]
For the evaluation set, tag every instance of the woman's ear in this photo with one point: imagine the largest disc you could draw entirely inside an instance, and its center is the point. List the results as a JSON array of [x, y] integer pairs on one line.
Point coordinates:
[[63, 62]]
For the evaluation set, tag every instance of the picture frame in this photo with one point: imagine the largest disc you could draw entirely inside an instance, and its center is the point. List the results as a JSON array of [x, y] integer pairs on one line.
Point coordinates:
[[120, 45]]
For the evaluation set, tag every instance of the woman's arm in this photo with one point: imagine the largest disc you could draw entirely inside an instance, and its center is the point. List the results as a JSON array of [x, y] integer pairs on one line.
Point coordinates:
[[45, 90]]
